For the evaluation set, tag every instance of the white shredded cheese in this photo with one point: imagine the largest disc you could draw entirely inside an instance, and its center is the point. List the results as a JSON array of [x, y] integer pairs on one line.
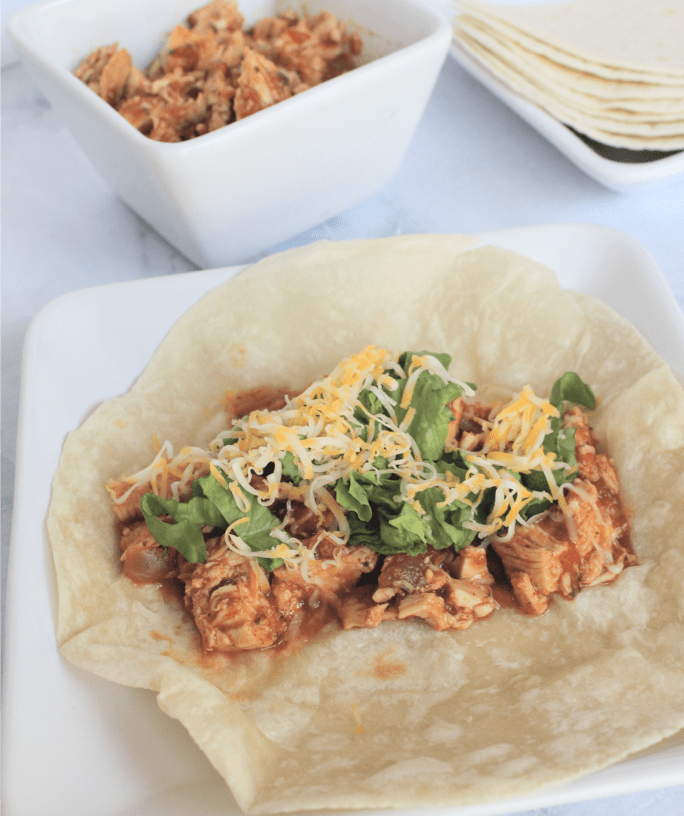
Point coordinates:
[[319, 430]]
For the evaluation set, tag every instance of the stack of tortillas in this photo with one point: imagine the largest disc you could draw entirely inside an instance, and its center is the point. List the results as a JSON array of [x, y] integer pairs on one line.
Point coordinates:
[[610, 69]]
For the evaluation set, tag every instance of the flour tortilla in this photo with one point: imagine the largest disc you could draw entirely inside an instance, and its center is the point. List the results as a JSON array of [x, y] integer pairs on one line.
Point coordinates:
[[619, 39], [401, 715], [582, 87], [628, 130], [609, 70]]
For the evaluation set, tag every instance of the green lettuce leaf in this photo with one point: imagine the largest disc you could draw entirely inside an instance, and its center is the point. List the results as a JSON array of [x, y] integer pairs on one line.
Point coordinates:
[[211, 505], [290, 470], [377, 515], [185, 534], [352, 495], [571, 388], [445, 522], [431, 395], [364, 534], [403, 532]]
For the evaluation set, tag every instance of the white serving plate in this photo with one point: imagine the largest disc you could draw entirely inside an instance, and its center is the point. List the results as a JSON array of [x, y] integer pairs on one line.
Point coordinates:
[[622, 176], [77, 744]]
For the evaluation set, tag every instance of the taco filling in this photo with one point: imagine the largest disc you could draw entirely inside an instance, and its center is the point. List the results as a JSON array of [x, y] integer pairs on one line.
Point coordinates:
[[384, 491]]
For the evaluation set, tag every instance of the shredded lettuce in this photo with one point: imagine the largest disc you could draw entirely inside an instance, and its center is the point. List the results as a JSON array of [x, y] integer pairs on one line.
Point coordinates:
[[380, 515], [380, 519], [185, 534], [571, 388], [212, 505]]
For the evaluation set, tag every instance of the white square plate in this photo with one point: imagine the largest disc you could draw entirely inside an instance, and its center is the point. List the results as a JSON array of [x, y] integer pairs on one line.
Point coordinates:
[[612, 169], [76, 744]]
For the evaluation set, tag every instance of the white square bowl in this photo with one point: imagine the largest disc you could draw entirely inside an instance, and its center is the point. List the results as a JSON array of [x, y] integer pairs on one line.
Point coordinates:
[[224, 197]]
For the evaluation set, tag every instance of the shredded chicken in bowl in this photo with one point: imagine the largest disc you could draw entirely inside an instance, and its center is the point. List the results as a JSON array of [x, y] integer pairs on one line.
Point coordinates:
[[212, 71]]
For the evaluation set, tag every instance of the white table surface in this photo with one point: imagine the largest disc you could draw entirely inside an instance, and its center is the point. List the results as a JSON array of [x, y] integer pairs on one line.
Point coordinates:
[[472, 166]]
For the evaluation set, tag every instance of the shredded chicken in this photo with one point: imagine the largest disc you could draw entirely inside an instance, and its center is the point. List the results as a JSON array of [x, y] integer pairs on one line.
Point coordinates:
[[585, 546], [212, 72], [471, 565], [468, 429], [424, 586], [237, 605], [126, 501], [225, 597]]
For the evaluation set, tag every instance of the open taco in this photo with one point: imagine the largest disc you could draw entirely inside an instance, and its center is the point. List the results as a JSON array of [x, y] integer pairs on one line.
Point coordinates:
[[400, 714]]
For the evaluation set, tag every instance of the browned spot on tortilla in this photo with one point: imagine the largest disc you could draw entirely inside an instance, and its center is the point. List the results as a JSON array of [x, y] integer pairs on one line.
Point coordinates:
[[384, 668], [158, 636], [389, 671], [121, 423]]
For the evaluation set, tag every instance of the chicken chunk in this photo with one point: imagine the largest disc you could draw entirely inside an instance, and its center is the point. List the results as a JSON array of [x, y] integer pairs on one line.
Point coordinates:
[[421, 586], [220, 16], [530, 601], [537, 553], [314, 49], [458, 607], [333, 576], [126, 505], [260, 84], [90, 70], [358, 610], [404, 574], [228, 603], [563, 553], [114, 77], [471, 565]]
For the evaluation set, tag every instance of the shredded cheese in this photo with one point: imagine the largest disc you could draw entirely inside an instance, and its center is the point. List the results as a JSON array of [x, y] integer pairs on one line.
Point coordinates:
[[321, 432]]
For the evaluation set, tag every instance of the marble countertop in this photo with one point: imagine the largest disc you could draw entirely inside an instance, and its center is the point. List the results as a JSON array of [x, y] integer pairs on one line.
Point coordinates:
[[472, 166]]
